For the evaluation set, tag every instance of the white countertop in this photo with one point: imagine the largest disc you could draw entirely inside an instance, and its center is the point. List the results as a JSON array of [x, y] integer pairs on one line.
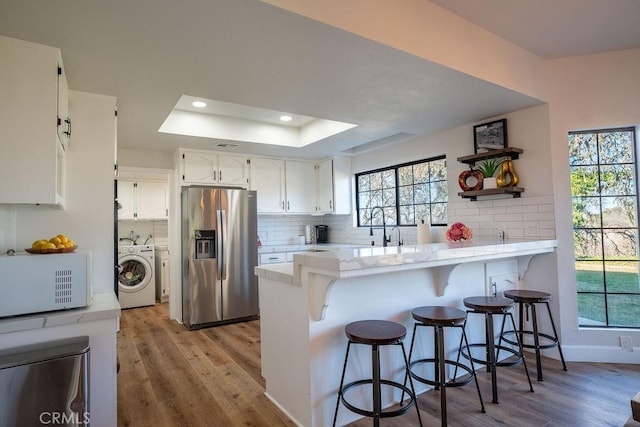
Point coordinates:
[[343, 262], [321, 247], [104, 306]]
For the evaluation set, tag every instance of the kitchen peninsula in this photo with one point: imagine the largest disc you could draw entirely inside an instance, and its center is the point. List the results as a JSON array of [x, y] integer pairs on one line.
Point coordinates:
[[305, 304]]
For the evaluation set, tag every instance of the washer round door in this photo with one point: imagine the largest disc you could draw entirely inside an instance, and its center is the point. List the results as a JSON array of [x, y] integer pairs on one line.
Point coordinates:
[[135, 273]]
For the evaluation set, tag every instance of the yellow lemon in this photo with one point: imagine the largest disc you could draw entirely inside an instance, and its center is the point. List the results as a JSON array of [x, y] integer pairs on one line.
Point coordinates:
[[72, 243], [68, 245], [63, 238], [48, 246], [37, 244], [54, 240]]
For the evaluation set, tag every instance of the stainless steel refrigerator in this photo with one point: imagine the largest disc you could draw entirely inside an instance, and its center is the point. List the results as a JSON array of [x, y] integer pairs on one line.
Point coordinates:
[[219, 253]]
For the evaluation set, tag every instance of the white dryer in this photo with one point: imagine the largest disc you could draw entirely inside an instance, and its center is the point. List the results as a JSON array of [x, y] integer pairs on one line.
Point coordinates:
[[136, 276]]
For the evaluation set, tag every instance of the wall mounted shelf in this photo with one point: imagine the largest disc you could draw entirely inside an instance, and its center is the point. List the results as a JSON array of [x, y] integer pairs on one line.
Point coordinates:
[[512, 152], [473, 195]]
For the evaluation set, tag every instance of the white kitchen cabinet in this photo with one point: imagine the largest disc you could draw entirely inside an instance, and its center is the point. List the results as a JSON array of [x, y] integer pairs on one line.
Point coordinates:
[[210, 168], [333, 194], [162, 275], [143, 200], [342, 185], [32, 153], [233, 170], [267, 179], [273, 258], [300, 180], [324, 186]]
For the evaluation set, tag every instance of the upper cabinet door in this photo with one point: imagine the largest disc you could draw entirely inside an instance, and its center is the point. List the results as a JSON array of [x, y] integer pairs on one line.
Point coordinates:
[[152, 200], [300, 186], [324, 196], [233, 170], [200, 168], [127, 199], [64, 121], [267, 179], [29, 154]]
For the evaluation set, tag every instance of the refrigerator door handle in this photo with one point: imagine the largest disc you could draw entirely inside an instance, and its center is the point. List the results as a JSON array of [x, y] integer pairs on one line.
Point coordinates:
[[222, 256]]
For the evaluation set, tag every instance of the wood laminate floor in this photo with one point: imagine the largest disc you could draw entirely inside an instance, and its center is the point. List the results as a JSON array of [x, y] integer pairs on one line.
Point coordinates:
[[173, 377]]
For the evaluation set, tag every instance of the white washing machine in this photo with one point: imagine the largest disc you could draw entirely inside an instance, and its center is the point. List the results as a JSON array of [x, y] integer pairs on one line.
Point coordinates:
[[136, 277]]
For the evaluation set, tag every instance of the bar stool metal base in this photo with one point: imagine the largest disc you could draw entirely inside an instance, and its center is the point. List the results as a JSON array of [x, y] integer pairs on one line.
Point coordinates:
[[488, 307], [439, 318], [375, 333], [529, 299]]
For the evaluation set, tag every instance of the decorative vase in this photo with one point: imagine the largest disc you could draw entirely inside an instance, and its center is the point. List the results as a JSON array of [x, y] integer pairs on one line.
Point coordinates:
[[474, 176], [489, 183], [507, 176]]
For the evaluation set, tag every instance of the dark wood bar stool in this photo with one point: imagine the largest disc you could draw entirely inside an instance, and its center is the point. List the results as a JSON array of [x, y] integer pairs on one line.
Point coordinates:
[[440, 318], [376, 333], [488, 307], [527, 300]]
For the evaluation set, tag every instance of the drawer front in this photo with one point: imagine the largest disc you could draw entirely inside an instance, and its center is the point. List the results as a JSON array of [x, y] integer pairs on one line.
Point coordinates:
[[273, 258]]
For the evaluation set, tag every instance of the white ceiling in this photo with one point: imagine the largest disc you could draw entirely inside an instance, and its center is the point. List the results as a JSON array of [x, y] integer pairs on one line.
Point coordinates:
[[148, 53]]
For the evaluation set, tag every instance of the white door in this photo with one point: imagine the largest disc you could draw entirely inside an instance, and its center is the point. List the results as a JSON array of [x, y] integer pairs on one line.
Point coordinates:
[[153, 200], [300, 186], [267, 178], [324, 174], [233, 170], [200, 168], [126, 198]]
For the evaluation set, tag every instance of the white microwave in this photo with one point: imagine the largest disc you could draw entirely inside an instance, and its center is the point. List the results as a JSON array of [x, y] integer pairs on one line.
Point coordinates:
[[35, 283]]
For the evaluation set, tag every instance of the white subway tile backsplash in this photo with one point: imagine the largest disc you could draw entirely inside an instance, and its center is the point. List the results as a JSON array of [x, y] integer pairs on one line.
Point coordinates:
[[539, 216], [520, 218]]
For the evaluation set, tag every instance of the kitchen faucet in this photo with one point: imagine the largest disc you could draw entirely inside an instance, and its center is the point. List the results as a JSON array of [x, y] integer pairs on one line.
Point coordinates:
[[400, 242], [384, 228]]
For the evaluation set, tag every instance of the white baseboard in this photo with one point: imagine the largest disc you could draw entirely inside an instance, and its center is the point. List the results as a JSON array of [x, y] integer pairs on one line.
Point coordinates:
[[597, 354]]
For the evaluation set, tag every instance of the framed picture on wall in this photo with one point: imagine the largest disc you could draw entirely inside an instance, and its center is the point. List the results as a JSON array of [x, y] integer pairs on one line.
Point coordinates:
[[490, 136]]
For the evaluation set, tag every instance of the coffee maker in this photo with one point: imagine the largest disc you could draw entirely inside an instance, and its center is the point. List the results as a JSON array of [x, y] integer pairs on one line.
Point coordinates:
[[322, 233]]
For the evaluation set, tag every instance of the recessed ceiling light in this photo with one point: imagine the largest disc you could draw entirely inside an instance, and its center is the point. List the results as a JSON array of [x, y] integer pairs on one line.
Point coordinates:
[[199, 104], [285, 118]]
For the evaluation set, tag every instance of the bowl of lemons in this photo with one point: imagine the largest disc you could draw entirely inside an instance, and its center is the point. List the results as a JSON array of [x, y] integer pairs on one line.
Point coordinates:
[[56, 245]]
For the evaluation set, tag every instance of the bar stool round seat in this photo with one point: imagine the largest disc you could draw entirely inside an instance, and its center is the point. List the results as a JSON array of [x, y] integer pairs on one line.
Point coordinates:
[[527, 299], [490, 306], [439, 318], [376, 333]]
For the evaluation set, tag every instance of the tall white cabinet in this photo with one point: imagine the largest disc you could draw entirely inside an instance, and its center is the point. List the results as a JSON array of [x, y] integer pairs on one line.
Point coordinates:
[[35, 125]]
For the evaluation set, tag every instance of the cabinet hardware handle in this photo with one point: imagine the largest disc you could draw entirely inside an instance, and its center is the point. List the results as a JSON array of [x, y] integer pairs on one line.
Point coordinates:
[[331, 205], [288, 206], [68, 122], [283, 205], [214, 175], [220, 175]]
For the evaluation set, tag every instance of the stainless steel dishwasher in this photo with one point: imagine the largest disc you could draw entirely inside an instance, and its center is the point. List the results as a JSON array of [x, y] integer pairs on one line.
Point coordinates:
[[45, 384]]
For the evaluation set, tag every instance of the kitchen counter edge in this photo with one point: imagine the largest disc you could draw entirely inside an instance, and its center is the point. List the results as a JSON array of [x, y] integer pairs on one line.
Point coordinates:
[[104, 306]]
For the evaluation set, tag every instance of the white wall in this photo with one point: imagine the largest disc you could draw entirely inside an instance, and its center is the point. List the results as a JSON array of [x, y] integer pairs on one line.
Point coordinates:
[[88, 214], [527, 217], [144, 159], [587, 92]]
